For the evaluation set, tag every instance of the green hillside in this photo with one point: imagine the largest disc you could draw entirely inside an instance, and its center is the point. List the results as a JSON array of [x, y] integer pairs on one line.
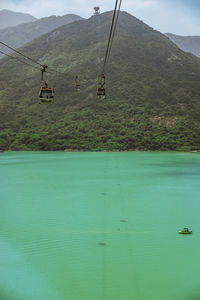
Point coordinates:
[[153, 91]]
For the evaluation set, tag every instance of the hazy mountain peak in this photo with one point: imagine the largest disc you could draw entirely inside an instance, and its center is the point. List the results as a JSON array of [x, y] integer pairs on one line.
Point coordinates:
[[19, 35], [186, 43], [10, 18]]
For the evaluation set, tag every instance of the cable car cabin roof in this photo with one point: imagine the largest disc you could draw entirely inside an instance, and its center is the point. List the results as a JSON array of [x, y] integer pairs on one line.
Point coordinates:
[[46, 89], [46, 94], [101, 91]]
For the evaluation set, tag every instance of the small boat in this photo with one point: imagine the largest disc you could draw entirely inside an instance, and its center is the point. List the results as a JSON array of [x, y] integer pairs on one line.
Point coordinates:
[[185, 231]]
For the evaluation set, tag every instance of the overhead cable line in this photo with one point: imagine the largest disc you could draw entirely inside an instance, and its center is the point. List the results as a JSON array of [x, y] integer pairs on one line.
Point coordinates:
[[101, 79], [114, 30], [51, 70], [111, 34], [46, 94], [25, 56], [17, 58]]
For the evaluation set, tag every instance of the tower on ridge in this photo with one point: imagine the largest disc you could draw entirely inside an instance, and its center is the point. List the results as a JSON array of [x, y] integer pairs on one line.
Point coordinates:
[[96, 10]]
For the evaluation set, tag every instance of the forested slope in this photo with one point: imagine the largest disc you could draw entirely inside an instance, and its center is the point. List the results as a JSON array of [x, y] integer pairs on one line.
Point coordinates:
[[153, 91]]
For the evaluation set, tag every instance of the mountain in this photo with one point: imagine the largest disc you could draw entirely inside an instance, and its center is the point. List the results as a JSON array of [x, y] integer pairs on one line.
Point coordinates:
[[186, 43], [10, 18], [153, 93], [20, 35]]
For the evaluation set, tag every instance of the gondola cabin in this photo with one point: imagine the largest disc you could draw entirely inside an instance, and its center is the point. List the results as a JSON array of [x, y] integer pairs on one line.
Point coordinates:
[[46, 94], [78, 87], [101, 93], [77, 84]]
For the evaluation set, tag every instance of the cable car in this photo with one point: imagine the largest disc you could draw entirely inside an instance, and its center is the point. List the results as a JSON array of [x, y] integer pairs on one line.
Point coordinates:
[[77, 84], [78, 87], [101, 92], [46, 94]]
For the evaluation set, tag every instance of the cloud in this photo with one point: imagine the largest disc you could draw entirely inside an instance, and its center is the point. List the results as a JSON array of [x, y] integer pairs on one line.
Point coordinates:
[[41, 8], [163, 15], [176, 20], [140, 4]]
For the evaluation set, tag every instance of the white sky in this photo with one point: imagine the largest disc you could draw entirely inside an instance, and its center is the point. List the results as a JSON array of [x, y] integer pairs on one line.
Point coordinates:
[[163, 15]]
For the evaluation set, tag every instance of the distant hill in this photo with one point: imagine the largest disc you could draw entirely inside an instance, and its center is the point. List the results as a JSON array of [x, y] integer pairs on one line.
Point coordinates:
[[153, 91], [186, 43], [10, 18], [20, 35]]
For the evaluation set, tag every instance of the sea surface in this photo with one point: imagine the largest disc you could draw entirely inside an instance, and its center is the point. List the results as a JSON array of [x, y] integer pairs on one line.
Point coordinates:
[[99, 226]]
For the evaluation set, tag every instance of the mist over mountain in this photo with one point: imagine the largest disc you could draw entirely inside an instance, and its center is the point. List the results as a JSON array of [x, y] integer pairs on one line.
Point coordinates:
[[20, 35], [153, 94], [10, 18], [186, 43]]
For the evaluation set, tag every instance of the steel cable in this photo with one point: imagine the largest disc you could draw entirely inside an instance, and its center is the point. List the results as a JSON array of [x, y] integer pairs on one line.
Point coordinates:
[[51, 70], [17, 58], [112, 32]]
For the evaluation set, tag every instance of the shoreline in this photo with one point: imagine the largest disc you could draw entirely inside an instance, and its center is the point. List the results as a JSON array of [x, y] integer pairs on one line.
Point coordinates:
[[103, 151]]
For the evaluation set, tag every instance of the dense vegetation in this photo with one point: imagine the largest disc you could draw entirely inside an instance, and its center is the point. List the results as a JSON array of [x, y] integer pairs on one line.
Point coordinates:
[[153, 92]]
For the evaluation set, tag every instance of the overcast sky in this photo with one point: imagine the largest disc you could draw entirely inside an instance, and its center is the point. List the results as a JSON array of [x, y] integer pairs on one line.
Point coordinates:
[[176, 16]]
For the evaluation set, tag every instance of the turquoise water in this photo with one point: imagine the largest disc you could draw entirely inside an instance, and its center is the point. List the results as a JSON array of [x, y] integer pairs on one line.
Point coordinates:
[[99, 226]]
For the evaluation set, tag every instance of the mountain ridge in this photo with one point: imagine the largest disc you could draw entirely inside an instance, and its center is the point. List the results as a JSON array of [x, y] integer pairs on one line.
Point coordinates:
[[189, 44], [10, 18], [19, 35]]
